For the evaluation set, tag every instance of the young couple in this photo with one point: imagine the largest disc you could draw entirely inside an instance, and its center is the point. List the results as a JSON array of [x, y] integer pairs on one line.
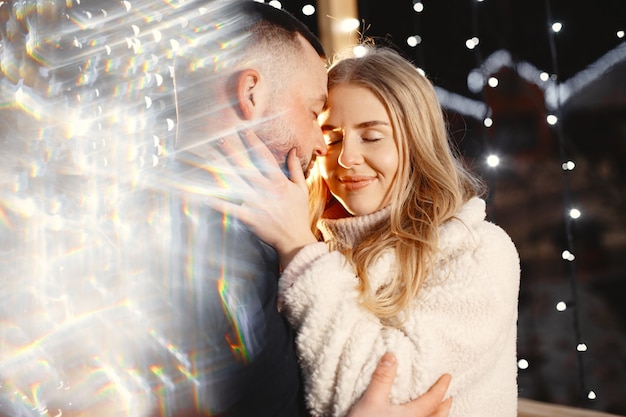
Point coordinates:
[[383, 248]]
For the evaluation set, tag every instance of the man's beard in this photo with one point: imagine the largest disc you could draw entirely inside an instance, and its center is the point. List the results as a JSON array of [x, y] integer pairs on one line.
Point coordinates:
[[280, 140]]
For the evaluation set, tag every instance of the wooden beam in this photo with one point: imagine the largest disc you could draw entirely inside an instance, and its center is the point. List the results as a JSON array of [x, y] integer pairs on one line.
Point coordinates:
[[531, 408], [330, 14]]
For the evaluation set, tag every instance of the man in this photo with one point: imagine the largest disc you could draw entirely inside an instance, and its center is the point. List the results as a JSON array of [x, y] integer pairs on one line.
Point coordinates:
[[269, 76]]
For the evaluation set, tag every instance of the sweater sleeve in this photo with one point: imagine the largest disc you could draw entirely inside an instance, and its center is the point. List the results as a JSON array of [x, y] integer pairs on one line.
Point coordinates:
[[463, 322]]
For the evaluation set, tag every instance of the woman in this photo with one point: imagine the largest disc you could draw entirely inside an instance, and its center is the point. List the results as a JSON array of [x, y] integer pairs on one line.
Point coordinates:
[[408, 262]]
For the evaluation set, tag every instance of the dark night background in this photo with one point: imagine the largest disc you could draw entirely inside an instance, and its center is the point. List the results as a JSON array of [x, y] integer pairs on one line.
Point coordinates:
[[530, 194]]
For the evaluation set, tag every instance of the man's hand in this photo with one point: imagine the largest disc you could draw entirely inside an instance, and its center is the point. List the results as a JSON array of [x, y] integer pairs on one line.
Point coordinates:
[[375, 400]]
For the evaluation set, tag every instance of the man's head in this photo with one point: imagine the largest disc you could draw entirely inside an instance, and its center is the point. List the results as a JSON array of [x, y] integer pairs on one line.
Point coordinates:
[[269, 75]]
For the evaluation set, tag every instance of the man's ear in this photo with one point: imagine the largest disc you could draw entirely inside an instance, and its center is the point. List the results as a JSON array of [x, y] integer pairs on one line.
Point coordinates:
[[247, 92]]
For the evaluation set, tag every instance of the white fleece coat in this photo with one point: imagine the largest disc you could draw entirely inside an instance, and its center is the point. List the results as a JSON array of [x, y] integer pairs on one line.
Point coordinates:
[[463, 321]]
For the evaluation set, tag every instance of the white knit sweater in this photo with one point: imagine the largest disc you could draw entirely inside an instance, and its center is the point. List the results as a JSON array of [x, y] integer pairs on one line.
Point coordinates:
[[463, 321]]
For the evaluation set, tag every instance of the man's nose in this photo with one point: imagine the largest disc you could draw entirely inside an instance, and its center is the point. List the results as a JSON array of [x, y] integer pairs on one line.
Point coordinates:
[[320, 148]]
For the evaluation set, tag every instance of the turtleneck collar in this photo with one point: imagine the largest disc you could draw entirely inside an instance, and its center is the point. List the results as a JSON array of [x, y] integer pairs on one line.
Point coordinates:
[[348, 231]]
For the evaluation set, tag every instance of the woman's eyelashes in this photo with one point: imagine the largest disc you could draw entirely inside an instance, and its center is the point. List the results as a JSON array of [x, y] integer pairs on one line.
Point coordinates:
[[333, 138]]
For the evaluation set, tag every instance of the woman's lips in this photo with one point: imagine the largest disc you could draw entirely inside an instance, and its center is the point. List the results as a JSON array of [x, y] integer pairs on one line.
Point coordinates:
[[353, 183]]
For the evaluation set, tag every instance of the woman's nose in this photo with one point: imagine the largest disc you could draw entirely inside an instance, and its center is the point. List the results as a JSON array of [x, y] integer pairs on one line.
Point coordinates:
[[350, 154]]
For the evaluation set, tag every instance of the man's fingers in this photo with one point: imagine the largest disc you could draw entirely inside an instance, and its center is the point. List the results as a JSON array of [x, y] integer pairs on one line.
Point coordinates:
[[444, 409], [432, 399], [382, 379]]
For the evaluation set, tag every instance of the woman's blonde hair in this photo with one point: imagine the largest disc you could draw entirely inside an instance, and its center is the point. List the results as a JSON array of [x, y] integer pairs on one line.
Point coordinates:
[[432, 182]]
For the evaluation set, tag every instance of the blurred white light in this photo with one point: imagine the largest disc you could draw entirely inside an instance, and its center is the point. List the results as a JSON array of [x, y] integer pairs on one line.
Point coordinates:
[[620, 34], [308, 10], [493, 82], [488, 122], [276, 3], [561, 306], [493, 160], [568, 166], [581, 347], [359, 51], [414, 40], [567, 255], [472, 42], [418, 6], [544, 76], [591, 395], [522, 364], [574, 213], [475, 81], [552, 119], [557, 26], [421, 72], [349, 24]]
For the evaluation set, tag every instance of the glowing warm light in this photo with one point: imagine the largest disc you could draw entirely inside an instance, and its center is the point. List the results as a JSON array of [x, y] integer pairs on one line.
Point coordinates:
[[308, 10], [488, 122], [493, 82], [414, 40], [493, 160], [359, 51], [522, 364], [348, 25], [418, 6], [557, 26], [561, 306], [581, 347], [552, 119], [574, 213], [567, 255]]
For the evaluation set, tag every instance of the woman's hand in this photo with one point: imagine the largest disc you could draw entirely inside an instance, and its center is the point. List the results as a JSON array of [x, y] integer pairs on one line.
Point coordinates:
[[275, 207]]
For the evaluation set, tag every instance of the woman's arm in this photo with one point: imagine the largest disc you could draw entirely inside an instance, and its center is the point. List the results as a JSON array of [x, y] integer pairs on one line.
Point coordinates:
[[463, 323]]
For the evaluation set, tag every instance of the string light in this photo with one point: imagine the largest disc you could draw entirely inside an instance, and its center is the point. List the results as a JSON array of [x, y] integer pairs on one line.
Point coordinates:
[[418, 6], [568, 166], [414, 40], [561, 306], [493, 161], [552, 119], [308, 10]]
